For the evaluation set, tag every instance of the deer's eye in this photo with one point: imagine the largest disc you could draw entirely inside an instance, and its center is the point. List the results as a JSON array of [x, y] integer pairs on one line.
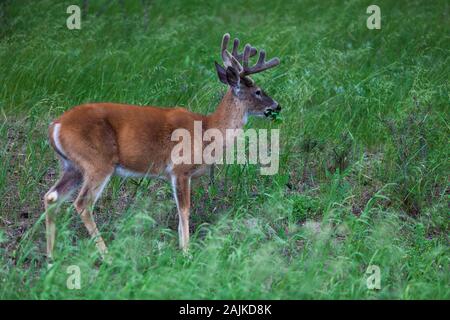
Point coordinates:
[[258, 92]]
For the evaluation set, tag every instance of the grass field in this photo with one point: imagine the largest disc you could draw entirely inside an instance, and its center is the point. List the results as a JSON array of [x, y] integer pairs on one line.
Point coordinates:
[[364, 155]]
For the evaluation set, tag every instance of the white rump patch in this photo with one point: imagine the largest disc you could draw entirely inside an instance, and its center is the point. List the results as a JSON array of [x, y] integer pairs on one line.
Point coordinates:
[[56, 129]]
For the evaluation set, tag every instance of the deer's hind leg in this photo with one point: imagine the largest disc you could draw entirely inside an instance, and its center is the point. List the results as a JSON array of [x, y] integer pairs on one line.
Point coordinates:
[[94, 183], [70, 180], [93, 148]]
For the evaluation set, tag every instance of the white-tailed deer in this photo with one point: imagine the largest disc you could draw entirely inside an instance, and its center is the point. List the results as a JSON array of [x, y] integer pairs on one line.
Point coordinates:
[[95, 141]]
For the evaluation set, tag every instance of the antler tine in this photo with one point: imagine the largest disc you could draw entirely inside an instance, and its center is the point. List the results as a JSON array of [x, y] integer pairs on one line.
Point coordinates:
[[261, 58], [240, 56], [247, 52], [225, 40], [261, 65], [235, 48]]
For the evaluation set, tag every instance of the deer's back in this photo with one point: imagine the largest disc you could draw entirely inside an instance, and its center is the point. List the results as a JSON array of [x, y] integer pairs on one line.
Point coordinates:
[[137, 139]]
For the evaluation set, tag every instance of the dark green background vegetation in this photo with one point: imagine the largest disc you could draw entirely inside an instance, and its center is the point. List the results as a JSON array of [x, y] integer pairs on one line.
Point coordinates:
[[363, 166]]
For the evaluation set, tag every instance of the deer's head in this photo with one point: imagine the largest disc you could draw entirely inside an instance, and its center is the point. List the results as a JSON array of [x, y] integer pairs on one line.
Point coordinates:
[[235, 73]]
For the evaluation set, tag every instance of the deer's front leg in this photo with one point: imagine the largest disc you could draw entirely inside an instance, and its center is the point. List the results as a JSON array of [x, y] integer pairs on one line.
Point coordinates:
[[182, 193]]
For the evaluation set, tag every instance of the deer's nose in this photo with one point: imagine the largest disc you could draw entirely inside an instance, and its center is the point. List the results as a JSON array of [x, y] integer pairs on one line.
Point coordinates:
[[278, 108]]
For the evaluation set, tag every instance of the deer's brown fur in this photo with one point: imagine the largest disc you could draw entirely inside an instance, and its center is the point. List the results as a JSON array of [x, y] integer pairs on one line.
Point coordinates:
[[95, 141]]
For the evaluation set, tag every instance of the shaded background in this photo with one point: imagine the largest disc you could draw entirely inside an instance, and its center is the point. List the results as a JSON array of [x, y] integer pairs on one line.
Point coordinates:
[[364, 150]]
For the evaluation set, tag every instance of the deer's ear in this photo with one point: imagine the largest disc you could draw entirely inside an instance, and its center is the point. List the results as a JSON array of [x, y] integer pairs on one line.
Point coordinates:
[[221, 73], [233, 78]]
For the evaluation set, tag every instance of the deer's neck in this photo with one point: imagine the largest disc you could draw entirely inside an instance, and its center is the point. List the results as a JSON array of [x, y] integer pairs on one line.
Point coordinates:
[[230, 114]]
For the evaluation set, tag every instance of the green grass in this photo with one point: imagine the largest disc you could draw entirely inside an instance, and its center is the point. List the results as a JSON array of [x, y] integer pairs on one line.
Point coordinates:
[[363, 166]]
